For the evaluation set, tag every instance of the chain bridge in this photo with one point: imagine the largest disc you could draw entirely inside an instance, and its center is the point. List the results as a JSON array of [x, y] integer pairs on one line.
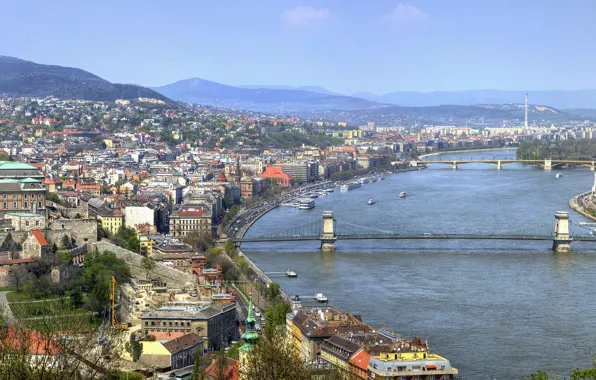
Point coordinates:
[[328, 231]]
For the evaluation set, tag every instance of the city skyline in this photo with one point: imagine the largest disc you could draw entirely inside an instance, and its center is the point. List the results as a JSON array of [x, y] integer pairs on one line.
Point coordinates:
[[345, 47]]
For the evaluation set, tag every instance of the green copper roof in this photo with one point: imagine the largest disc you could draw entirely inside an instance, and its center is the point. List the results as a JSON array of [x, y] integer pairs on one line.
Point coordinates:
[[250, 335], [11, 165], [251, 311]]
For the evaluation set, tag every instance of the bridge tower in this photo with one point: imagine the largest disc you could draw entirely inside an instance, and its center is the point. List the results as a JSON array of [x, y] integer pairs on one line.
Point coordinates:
[[548, 164], [328, 236], [562, 239], [499, 165]]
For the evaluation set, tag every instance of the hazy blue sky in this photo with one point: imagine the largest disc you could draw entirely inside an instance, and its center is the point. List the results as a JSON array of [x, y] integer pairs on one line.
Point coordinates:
[[343, 45]]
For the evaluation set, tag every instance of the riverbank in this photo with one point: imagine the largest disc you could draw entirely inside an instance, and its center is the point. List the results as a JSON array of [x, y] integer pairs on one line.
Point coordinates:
[[577, 203], [466, 151]]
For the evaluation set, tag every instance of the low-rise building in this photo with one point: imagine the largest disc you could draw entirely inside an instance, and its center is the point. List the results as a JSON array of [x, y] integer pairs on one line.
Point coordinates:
[[22, 195], [183, 350], [26, 221], [111, 219], [216, 323]]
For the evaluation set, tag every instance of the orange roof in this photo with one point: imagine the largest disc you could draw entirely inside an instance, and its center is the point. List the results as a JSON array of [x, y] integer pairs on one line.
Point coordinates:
[[163, 335], [222, 177], [37, 344], [361, 360], [231, 372], [40, 238]]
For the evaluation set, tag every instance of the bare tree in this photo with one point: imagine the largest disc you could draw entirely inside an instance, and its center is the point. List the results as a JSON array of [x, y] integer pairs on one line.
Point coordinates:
[[59, 346], [18, 276]]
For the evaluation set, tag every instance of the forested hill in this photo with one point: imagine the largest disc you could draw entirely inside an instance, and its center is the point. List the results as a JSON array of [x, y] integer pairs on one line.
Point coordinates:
[[584, 149], [29, 79]]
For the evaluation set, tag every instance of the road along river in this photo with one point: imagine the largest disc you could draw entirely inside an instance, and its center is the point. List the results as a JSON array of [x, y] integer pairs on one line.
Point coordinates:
[[501, 309]]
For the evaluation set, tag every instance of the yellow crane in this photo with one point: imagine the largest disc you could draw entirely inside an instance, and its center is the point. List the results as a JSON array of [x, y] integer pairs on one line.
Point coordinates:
[[114, 321]]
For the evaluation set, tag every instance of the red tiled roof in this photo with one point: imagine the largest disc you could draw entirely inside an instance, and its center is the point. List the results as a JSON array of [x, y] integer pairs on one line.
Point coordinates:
[[36, 343], [361, 360], [231, 372], [40, 238], [16, 261]]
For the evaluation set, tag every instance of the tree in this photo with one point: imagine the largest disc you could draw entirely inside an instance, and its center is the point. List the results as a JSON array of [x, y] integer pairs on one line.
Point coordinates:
[[274, 291], [200, 242], [69, 337], [273, 357], [221, 364], [135, 349], [275, 315], [148, 265], [76, 298], [66, 242], [199, 365], [18, 276]]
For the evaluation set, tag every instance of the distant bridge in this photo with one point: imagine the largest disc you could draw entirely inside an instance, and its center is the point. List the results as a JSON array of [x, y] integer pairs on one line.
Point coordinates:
[[548, 164], [328, 231]]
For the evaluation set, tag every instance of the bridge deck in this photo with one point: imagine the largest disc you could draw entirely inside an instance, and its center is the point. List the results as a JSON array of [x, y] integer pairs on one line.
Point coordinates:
[[412, 237]]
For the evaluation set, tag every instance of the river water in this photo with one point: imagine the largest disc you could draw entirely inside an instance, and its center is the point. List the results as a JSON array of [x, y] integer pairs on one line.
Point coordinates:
[[495, 309]]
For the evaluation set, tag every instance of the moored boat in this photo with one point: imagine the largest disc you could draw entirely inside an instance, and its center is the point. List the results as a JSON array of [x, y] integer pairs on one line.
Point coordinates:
[[306, 204], [371, 201], [402, 194], [320, 297]]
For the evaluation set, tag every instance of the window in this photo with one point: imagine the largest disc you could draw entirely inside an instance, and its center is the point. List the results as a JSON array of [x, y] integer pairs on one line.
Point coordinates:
[[26, 196], [26, 204], [4, 196], [5, 205], [39, 204], [14, 204], [27, 223]]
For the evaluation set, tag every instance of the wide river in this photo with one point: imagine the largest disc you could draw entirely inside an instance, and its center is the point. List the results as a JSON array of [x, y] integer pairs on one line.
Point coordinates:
[[495, 309]]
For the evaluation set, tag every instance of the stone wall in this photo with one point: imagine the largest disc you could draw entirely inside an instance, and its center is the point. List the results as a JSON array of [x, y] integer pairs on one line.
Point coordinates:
[[173, 277], [82, 230]]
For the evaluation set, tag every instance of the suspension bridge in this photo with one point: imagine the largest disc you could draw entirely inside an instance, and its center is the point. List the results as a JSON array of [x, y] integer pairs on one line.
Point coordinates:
[[328, 231], [547, 164]]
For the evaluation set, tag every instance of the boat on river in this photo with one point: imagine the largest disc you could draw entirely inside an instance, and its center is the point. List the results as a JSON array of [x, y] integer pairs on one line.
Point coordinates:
[[559, 175], [291, 273], [350, 186], [371, 201], [402, 194], [320, 297], [306, 204], [330, 190]]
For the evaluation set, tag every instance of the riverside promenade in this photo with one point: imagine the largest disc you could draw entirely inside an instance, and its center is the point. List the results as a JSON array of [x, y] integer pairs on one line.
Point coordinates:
[[582, 202]]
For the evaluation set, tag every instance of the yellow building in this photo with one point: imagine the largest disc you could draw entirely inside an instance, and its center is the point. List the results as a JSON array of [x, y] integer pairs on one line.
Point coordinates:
[[146, 245], [111, 220], [154, 355], [38, 132], [109, 143], [341, 123]]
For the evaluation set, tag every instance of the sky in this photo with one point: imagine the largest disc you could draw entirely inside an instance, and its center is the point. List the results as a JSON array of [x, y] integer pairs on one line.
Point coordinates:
[[375, 46]]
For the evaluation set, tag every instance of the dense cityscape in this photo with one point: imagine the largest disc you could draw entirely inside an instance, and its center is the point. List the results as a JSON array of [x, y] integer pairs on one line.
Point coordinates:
[[425, 209]]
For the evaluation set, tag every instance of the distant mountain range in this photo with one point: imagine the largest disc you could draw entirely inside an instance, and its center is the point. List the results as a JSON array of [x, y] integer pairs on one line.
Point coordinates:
[[24, 78], [277, 99], [555, 98]]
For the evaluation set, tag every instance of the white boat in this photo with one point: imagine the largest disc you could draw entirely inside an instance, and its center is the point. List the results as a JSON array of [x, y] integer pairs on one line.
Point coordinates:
[[402, 194], [365, 180], [306, 204], [330, 190], [320, 297], [374, 179], [350, 186], [314, 195], [371, 201], [291, 273], [382, 177], [559, 175]]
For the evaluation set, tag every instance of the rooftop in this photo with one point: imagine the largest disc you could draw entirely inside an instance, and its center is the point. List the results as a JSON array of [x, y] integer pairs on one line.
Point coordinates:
[[193, 311]]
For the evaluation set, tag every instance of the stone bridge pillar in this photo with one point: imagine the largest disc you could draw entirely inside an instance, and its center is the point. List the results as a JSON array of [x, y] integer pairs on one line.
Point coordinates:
[[593, 166], [454, 165], [562, 239], [328, 236], [499, 165], [413, 163], [548, 164]]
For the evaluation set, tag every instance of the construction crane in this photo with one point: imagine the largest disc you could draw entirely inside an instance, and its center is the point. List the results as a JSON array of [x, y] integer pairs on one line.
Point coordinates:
[[114, 319]]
